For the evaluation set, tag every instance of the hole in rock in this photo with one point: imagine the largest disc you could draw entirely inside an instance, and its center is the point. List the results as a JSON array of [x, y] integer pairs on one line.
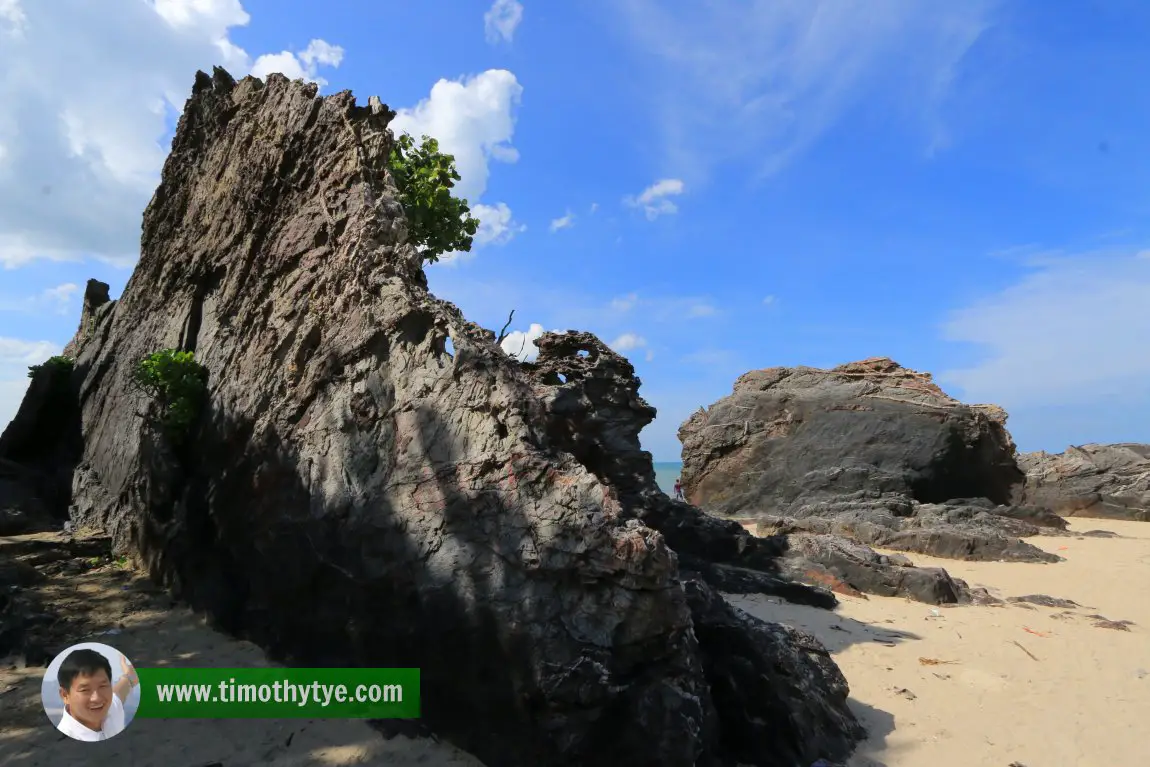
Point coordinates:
[[583, 353], [562, 378], [449, 347]]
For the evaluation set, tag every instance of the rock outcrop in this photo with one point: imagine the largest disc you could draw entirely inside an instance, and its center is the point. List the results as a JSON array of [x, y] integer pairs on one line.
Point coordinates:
[[355, 493], [868, 450], [38, 450], [1110, 481], [595, 412]]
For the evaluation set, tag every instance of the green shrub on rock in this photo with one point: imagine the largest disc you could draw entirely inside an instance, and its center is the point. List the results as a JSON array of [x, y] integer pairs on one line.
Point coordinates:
[[438, 222], [177, 383], [60, 362]]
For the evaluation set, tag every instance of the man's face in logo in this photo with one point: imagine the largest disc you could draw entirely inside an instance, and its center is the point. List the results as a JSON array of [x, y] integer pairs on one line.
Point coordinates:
[[89, 698]]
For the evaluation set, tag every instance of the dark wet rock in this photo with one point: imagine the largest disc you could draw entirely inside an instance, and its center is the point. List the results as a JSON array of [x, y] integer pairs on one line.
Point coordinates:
[[22, 506], [852, 568], [940, 530], [868, 450], [1107, 481], [1098, 534], [38, 451], [1102, 622], [354, 493], [795, 434], [780, 673], [1045, 601]]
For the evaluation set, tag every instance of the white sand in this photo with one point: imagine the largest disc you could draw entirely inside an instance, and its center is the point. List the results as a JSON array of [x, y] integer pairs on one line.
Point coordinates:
[[152, 633], [1085, 701]]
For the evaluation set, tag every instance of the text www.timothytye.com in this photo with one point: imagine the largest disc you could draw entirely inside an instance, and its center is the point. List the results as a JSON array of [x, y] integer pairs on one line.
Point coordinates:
[[281, 692]]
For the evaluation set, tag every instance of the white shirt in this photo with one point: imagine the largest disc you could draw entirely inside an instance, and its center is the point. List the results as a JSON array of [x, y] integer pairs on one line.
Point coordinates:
[[113, 723]]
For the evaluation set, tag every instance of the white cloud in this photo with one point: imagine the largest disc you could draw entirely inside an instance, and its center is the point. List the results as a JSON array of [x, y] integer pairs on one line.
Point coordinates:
[[1073, 331], [15, 357], [654, 199], [473, 119], [496, 225], [731, 79], [59, 299], [628, 342], [666, 308], [594, 207], [13, 18], [521, 343], [624, 303], [564, 222], [501, 20], [769, 301], [301, 66], [15, 351], [89, 92]]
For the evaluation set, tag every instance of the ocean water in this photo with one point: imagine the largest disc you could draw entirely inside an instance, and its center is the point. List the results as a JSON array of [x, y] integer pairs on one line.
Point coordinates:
[[666, 473]]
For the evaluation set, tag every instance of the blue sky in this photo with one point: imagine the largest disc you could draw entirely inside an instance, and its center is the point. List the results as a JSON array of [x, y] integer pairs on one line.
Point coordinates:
[[711, 188]]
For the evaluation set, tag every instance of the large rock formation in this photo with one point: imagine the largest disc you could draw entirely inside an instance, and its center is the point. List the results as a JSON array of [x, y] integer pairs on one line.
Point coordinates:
[[1111, 481], [595, 412], [869, 450], [354, 493]]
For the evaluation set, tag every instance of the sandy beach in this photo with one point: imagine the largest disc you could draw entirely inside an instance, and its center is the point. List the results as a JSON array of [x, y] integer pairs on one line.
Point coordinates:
[[996, 686], [963, 686], [119, 607]]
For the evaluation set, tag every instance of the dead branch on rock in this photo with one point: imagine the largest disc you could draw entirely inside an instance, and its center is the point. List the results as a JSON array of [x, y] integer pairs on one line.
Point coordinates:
[[503, 331]]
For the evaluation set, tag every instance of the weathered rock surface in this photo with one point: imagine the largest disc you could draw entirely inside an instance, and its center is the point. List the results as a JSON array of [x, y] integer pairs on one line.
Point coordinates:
[[97, 303], [595, 412], [1107, 481], [354, 494], [868, 450]]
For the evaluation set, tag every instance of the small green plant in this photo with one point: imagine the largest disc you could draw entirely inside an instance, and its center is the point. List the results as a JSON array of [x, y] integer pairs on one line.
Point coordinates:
[[60, 362], [177, 383], [439, 222]]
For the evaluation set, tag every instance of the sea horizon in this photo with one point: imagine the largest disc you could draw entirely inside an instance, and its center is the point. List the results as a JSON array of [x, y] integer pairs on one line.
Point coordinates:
[[665, 474]]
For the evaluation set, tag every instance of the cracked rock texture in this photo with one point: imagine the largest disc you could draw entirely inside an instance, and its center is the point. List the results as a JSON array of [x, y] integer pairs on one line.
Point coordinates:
[[869, 450], [1109, 481], [595, 412], [354, 494]]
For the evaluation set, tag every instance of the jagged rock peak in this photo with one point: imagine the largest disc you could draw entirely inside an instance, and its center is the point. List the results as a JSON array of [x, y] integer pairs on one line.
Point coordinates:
[[354, 493]]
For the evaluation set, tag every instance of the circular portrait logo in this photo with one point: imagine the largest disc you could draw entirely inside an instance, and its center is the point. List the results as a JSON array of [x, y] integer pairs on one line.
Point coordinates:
[[90, 692]]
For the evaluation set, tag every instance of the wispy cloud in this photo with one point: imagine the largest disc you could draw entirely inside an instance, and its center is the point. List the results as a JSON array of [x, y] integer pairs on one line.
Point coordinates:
[[628, 342], [655, 200], [1073, 331], [501, 20], [739, 80], [563, 222], [624, 303], [16, 355], [59, 299], [660, 308]]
